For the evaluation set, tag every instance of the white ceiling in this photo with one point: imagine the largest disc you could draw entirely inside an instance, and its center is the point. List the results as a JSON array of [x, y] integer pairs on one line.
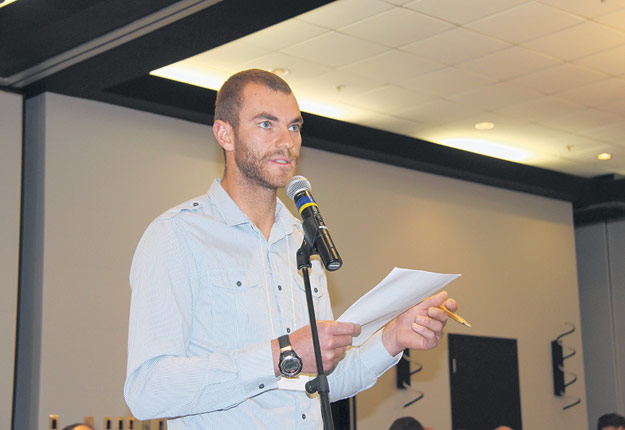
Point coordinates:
[[550, 74]]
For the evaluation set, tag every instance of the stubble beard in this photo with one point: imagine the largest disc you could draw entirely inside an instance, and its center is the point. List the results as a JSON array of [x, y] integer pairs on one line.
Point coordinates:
[[252, 166]]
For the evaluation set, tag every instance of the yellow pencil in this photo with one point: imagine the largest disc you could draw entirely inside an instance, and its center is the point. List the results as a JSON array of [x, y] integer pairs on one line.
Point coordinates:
[[454, 316]]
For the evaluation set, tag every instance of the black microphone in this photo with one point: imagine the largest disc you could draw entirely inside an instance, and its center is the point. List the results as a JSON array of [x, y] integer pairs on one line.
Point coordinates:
[[315, 231]]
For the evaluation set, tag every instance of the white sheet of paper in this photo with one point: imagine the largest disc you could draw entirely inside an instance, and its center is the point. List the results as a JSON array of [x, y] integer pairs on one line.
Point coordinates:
[[399, 291]]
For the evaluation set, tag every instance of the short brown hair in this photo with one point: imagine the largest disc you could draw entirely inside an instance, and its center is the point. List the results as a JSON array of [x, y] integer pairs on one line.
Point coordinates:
[[229, 100]]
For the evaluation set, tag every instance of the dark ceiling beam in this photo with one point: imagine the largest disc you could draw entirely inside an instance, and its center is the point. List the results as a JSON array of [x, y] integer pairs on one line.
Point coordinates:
[[211, 27], [62, 25]]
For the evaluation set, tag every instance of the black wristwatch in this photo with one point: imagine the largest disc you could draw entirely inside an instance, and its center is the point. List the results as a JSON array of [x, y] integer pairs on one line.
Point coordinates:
[[290, 364]]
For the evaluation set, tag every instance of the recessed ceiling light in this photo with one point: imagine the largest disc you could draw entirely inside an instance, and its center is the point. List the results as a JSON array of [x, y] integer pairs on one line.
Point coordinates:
[[484, 126], [282, 72], [6, 2], [604, 156]]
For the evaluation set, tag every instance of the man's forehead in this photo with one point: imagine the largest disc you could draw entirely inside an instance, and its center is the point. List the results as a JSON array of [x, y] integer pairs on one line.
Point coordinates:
[[262, 98]]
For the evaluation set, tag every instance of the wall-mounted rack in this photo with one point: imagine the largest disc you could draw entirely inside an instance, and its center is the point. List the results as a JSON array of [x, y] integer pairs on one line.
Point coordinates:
[[557, 362], [404, 373]]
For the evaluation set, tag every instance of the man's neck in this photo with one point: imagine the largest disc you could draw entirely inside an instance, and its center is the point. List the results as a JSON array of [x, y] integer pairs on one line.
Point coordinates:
[[258, 203]]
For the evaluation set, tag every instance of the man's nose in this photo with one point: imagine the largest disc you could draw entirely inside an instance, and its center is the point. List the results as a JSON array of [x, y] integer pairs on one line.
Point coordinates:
[[286, 138]]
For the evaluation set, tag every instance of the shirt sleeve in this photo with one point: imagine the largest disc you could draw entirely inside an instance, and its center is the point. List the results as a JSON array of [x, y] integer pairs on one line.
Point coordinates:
[[162, 380]]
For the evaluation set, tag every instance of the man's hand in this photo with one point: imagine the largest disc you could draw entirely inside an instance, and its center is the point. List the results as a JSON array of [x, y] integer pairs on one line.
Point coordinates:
[[334, 338], [420, 327]]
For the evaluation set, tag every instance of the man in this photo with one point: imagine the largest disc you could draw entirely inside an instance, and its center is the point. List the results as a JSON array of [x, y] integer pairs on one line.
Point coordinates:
[[611, 422], [406, 423], [78, 426], [218, 327]]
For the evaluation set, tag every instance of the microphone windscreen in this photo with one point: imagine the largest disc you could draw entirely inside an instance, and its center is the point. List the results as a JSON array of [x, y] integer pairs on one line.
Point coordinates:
[[295, 185]]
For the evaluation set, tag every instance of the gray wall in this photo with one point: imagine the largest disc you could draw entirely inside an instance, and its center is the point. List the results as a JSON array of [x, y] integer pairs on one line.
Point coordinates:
[[601, 258], [10, 189], [108, 171]]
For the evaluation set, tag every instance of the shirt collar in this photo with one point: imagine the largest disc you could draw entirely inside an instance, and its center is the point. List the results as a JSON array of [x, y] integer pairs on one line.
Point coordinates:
[[233, 215]]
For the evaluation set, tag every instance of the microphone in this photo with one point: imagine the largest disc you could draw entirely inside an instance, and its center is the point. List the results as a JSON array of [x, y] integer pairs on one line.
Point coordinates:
[[315, 231]]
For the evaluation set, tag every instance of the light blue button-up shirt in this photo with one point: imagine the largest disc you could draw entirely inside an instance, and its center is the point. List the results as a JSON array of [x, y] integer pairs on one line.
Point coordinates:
[[209, 293]]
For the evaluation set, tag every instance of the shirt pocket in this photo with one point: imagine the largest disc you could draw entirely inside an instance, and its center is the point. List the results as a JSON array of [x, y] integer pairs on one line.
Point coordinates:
[[238, 308], [318, 290]]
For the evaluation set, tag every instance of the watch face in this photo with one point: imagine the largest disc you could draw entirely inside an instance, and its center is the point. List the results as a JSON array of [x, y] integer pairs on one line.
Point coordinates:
[[290, 364]]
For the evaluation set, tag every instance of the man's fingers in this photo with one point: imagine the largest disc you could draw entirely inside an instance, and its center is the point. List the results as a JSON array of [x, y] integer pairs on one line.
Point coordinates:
[[434, 301], [345, 328], [451, 304]]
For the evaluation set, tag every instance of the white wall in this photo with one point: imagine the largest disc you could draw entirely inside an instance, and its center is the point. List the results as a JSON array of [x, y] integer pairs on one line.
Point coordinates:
[[601, 250], [10, 190], [110, 170]]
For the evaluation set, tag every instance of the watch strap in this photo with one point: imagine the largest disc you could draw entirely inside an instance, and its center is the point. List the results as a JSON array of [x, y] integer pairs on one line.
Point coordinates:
[[284, 341]]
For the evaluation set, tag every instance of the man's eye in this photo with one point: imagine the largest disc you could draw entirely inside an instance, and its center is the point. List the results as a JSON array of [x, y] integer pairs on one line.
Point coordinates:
[[295, 127], [265, 124]]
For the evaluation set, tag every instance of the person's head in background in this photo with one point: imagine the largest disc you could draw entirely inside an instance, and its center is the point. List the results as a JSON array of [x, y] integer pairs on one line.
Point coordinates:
[[78, 426], [406, 423], [504, 428], [611, 422]]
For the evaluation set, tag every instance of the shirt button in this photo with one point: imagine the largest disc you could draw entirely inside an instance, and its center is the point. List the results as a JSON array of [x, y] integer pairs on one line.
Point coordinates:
[[238, 283], [316, 290], [261, 386], [280, 287], [288, 330], [195, 203], [303, 416]]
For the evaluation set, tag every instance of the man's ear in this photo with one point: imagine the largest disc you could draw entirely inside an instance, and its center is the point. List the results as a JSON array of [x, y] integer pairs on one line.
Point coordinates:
[[224, 133]]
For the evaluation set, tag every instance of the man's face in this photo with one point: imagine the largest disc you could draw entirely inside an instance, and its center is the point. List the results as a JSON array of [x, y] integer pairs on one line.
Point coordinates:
[[613, 428], [268, 139]]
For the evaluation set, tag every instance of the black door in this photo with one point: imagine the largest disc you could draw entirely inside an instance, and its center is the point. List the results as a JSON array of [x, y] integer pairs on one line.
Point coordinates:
[[484, 377]]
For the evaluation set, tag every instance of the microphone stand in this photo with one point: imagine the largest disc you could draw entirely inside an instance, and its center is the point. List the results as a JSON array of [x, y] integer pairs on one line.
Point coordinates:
[[320, 383]]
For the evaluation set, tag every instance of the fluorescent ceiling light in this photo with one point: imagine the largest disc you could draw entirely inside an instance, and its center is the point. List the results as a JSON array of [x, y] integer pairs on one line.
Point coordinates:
[[6, 2], [486, 147], [214, 80]]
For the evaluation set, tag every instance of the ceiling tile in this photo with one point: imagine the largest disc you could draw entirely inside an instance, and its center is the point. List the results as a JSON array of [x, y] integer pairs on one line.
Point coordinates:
[[581, 121], [597, 93], [393, 124], [559, 78], [407, 26], [344, 12], [398, 2], [540, 138], [495, 96], [503, 124], [449, 10], [542, 107], [455, 46], [513, 25], [298, 67], [284, 34], [614, 133], [388, 99], [509, 63], [439, 112], [586, 8], [578, 41], [446, 82], [611, 61], [614, 19], [392, 66], [334, 49], [227, 57], [616, 106], [338, 85]]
